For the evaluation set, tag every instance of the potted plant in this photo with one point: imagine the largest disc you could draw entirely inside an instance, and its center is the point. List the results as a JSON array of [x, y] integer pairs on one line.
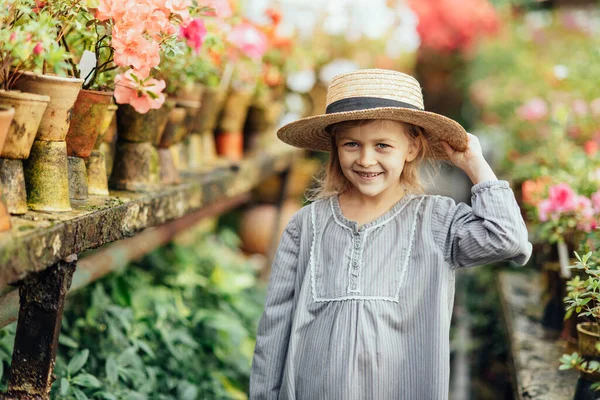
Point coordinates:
[[583, 299]]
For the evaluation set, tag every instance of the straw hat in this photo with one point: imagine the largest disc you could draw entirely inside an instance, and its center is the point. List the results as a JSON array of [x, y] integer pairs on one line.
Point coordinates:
[[374, 94]]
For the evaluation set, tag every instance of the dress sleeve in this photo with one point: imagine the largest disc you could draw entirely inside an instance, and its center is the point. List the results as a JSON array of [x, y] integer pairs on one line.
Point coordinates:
[[275, 324], [492, 230]]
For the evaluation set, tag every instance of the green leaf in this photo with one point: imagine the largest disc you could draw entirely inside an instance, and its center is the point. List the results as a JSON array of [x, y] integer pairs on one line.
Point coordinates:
[[112, 370], [64, 386], [79, 395], [565, 367], [67, 341], [87, 380], [77, 362]]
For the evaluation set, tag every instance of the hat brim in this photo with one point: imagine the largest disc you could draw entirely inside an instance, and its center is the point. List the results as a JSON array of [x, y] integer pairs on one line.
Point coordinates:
[[310, 132]]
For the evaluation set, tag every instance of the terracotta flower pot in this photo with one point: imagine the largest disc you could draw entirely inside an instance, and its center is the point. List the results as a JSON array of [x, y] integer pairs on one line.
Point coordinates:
[[96, 173], [235, 111], [105, 132], [4, 214], [149, 127], [212, 103], [191, 92], [63, 93], [13, 182], [231, 145], [78, 179], [29, 109], [46, 177], [86, 121], [6, 117], [168, 172], [175, 130]]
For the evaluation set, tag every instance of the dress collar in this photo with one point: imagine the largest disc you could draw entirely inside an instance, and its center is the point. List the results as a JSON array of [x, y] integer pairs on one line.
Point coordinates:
[[381, 220]]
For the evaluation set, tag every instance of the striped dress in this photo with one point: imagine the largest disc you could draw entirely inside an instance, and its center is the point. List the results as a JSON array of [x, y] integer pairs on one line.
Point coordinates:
[[364, 312]]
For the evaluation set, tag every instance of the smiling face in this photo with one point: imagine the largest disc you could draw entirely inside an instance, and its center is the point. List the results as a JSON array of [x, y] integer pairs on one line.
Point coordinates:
[[372, 156]]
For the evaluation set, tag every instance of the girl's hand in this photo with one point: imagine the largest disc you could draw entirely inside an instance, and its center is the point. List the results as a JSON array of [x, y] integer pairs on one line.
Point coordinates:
[[471, 160]]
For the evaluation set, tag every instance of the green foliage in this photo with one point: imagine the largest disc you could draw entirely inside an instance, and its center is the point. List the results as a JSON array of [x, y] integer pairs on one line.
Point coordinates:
[[180, 324]]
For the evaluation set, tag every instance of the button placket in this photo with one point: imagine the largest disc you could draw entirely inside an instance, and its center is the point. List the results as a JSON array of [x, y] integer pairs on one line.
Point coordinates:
[[355, 264]]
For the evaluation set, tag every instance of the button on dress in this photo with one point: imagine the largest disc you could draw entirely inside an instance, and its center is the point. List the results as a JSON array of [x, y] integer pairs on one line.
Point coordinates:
[[364, 312]]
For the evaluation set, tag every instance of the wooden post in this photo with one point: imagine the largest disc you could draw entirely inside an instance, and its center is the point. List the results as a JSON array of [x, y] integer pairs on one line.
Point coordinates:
[[42, 298]]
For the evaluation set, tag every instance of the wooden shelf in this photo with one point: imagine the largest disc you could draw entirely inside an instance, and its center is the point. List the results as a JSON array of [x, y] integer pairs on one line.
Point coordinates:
[[38, 240]]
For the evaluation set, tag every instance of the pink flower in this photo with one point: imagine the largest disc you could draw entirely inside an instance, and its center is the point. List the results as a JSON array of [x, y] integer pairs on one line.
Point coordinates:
[[134, 50], [142, 95], [221, 8], [562, 197], [544, 209], [535, 109], [38, 49], [247, 38], [194, 33]]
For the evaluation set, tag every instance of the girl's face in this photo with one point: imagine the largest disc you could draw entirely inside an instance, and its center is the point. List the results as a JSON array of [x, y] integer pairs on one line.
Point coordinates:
[[372, 156]]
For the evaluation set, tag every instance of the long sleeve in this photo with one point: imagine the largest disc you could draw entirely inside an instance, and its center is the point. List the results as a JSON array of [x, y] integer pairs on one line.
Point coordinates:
[[492, 230], [275, 324]]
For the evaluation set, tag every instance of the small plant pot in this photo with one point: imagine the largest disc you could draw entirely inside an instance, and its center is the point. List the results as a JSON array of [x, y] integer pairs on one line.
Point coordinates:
[[235, 111], [62, 92], [29, 110], [6, 117], [110, 120], [136, 167], [5, 224], [105, 126], [78, 180], [230, 145], [96, 174], [47, 177], [175, 130], [180, 155], [86, 121], [191, 92], [169, 175], [138, 128], [194, 152], [212, 103], [13, 182]]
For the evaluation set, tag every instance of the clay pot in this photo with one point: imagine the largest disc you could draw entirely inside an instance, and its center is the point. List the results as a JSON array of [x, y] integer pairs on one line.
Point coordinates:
[[212, 103], [235, 110], [46, 177], [168, 172], [191, 92], [136, 167], [175, 130], [148, 127], [231, 145], [192, 108], [63, 93], [78, 180], [86, 121], [109, 126], [6, 117], [5, 224], [257, 226], [29, 109]]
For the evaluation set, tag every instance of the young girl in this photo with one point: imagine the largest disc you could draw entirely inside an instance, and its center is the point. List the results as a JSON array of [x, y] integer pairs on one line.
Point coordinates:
[[362, 286]]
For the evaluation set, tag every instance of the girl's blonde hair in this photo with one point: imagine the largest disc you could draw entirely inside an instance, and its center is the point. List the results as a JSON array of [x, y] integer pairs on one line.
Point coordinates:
[[332, 181]]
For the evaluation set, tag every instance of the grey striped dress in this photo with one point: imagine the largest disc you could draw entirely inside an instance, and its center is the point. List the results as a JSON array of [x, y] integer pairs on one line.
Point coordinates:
[[364, 312]]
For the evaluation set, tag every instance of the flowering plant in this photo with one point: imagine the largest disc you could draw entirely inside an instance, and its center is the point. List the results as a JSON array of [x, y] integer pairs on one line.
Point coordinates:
[[139, 30], [27, 42]]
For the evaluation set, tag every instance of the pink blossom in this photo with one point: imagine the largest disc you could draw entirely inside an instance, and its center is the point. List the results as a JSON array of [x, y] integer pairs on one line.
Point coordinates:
[[596, 201], [158, 24], [181, 9], [544, 210], [142, 95], [135, 51], [563, 198], [194, 33], [221, 8], [247, 38], [38, 49], [12, 37], [591, 147], [535, 109]]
